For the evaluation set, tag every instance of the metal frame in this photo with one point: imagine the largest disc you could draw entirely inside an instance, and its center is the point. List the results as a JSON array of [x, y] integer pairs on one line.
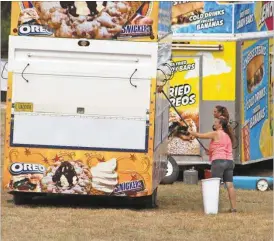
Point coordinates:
[[195, 47], [256, 161], [238, 100], [222, 37], [240, 96]]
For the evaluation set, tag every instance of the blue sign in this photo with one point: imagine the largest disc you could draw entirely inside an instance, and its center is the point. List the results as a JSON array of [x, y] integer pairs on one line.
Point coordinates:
[[201, 17], [164, 23], [255, 72], [253, 17]]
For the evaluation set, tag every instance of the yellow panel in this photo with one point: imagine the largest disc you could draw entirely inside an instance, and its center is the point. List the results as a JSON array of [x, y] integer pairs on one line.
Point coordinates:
[[219, 70]]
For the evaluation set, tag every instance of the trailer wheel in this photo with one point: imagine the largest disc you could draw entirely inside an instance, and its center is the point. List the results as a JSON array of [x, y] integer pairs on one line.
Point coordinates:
[[172, 172], [151, 201], [262, 185], [271, 186], [21, 199], [147, 202]]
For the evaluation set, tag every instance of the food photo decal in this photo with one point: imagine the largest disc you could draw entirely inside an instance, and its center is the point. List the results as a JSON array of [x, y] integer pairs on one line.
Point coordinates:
[[65, 174], [92, 20]]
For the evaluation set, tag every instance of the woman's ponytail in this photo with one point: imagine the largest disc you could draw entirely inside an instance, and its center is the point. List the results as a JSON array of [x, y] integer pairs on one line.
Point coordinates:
[[227, 129]]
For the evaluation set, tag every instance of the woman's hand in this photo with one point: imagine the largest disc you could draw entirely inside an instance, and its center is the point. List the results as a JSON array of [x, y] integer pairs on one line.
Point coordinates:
[[207, 152], [193, 133]]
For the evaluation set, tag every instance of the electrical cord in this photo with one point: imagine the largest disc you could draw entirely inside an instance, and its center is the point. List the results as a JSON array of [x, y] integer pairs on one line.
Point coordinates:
[[165, 77]]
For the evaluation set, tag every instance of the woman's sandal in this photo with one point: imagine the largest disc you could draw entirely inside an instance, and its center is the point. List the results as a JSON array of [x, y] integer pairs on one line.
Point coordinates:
[[233, 210]]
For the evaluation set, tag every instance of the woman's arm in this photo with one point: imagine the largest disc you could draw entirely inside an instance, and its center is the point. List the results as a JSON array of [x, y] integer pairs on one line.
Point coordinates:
[[207, 135]]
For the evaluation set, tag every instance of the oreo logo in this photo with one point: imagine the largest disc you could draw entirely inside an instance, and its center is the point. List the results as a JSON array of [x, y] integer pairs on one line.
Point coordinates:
[[33, 29], [26, 168]]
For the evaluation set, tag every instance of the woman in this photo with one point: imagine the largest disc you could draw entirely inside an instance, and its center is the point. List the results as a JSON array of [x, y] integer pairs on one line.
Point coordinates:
[[220, 155], [221, 111]]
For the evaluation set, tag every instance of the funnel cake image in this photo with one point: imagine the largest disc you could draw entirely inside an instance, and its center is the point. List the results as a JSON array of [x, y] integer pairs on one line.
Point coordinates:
[[92, 20], [28, 15], [181, 143]]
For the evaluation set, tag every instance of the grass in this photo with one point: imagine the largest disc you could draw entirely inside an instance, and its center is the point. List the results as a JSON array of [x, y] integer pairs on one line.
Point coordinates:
[[179, 217]]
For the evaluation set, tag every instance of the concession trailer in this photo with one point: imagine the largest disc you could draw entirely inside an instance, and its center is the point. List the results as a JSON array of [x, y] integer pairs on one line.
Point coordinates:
[[222, 54], [83, 114]]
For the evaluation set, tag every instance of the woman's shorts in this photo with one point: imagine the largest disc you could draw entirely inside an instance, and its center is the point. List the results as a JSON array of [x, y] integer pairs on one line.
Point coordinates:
[[223, 169]]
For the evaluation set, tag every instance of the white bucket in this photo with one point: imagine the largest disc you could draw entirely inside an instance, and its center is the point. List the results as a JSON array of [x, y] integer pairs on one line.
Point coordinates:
[[211, 188]]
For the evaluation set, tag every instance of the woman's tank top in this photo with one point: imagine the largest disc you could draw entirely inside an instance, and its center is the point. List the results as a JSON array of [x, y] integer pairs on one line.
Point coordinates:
[[221, 149]]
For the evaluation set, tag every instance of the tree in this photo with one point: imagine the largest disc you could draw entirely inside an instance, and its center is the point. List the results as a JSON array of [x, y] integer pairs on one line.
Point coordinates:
[[5, 27]]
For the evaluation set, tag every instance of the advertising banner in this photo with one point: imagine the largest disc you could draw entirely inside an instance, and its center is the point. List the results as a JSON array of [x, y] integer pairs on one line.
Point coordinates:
[[201, 17], [271, 89], [79, 172], [86, 19], [256, 137], [184, 94], [253, 17], [164, 22]]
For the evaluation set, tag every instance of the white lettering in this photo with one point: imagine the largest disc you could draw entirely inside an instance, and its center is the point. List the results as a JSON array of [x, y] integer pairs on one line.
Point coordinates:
[[267, 11], [26, 168]]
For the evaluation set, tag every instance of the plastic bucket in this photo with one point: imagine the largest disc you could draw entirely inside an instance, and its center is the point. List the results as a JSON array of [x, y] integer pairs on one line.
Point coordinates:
[[211, 188]]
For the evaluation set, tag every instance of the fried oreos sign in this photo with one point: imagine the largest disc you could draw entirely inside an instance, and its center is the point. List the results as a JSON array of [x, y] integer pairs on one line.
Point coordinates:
[[26, 168]]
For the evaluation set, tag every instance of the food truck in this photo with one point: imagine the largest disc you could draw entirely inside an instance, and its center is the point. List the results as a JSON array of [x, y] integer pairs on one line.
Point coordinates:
[[222, 54], [83, 114]]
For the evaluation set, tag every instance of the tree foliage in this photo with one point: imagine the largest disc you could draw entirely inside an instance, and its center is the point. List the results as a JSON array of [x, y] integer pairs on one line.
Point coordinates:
[[5, 27]]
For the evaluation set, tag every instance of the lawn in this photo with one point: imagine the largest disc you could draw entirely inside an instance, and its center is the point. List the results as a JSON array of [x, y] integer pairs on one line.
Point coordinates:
[[179, 217]]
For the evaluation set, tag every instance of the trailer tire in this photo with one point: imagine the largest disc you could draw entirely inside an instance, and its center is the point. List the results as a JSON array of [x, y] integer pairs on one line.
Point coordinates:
[[262, 185], [151, 201], [271, 186], [146, 202], [172, 172], [21, 199]]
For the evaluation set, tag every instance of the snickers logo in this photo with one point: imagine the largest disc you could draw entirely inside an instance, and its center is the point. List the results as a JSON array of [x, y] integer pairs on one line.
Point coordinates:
[[129, 186], [136, 30]]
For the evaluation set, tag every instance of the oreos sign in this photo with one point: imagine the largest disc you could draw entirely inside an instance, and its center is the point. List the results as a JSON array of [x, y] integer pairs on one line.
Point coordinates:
[[18, 168], [33, 29]]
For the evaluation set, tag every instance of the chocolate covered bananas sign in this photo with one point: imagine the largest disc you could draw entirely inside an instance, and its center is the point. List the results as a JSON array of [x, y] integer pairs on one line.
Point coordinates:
[[256, 136], [201, 17], [184, 94], [86, 19]]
